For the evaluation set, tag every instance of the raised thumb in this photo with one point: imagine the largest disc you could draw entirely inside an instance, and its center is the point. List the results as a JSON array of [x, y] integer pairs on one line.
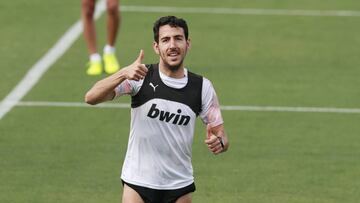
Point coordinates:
[[140, 57]]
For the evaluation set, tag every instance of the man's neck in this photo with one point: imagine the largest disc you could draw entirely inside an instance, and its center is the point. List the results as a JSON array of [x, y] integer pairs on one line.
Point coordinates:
[[179, 73]]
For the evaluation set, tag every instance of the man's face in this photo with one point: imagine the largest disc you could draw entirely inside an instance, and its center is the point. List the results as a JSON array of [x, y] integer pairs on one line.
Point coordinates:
[[172, 47]]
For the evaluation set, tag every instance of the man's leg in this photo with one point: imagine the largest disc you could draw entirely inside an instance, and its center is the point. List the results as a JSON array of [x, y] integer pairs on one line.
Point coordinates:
[[130, 195], [113, 20], [87, 13], [185, 198]]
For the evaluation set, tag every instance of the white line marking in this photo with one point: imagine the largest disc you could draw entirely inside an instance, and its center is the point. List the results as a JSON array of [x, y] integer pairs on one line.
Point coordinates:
[[292, 109], [240, 11], [41, 66], [225, 108]]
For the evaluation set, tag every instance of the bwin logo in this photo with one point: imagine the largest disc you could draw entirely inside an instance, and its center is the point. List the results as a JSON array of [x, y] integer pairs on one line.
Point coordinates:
[[167, 116]]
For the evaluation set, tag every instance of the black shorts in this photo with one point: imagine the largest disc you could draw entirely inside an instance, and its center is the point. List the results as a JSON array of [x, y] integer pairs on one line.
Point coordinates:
[[150, 195]]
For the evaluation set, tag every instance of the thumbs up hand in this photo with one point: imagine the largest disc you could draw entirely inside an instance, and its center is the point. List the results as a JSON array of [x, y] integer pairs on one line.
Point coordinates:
[[137, 70], [215, 143]]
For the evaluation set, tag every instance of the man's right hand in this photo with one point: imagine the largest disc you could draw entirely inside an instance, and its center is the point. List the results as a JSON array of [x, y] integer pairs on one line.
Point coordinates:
[[103, 90], [137, 70]]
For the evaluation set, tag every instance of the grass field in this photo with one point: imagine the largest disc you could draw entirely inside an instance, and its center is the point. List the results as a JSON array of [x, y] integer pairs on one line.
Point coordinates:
[[74, 154]]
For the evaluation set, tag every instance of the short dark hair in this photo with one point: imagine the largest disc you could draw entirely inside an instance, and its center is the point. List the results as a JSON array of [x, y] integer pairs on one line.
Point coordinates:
[[173, 22]]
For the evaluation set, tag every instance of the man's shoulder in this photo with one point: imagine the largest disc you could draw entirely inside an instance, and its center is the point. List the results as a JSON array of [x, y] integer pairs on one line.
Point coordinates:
[[204, 80], [194, 74]]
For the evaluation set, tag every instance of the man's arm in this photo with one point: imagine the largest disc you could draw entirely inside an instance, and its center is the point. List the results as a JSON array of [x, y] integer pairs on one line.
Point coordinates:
[[217, 140], [103, 90]]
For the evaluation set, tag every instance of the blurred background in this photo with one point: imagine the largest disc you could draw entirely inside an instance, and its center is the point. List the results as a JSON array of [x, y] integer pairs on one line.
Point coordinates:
[[286, 72]]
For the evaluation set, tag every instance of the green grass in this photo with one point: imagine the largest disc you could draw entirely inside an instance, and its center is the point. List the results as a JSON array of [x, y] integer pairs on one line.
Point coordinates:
[[58, 154], [304, 160]]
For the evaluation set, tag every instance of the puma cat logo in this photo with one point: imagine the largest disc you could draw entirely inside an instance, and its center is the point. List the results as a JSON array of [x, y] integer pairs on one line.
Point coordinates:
[[152, 85]]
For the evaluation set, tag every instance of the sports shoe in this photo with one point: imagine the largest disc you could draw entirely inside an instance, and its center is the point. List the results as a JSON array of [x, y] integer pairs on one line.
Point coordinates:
[[111, 63], [95, 68]]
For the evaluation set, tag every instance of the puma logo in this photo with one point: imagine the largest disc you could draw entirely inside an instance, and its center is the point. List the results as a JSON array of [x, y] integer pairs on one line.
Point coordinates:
[[152, 85]]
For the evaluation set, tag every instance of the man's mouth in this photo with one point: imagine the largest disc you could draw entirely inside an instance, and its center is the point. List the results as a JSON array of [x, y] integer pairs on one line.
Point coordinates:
[[173, 54]]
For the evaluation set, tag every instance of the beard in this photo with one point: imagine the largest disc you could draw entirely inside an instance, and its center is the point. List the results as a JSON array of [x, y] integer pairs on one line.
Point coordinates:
[[172, 68]]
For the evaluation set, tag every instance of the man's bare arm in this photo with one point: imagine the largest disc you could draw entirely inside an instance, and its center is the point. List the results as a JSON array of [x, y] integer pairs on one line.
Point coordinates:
[[103, 90]]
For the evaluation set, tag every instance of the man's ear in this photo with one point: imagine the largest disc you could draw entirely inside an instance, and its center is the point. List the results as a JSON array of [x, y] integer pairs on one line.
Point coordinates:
[[156, 48]]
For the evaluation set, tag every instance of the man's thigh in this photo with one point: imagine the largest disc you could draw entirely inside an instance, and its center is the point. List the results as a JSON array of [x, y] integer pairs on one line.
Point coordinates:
[[130, 195], [185, 198]]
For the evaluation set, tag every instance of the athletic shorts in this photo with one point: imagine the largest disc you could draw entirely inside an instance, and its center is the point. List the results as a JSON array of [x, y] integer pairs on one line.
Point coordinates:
[[150, 195]]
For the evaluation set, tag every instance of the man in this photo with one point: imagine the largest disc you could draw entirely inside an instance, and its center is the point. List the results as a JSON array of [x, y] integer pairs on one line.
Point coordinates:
[[113, 20], [166, 98]]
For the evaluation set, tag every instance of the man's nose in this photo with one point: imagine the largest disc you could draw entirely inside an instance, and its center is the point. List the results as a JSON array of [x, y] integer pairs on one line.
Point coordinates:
[[172, 43]]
